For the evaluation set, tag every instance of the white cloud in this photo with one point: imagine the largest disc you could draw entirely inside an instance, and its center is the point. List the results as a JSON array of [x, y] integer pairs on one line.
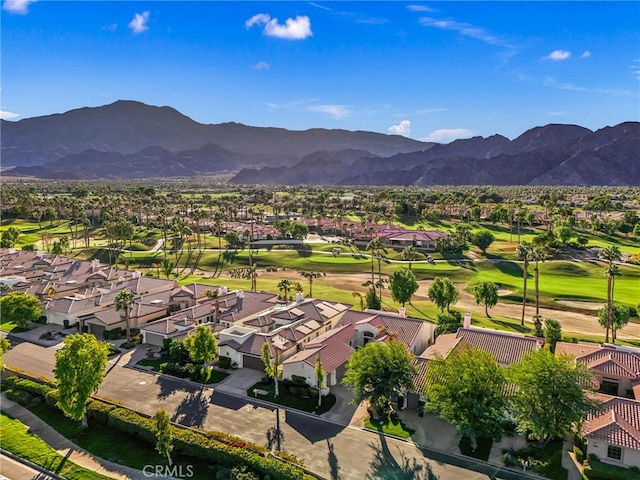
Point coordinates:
[[261, 66], [635, 68], [336, 111], [110, 28], [7, 115], [139, 22], [257, 19], [419, 8], [446, 135], [558, 55], [586, 54], [20, 7], [424, 111], [465, 29], [553, 83], [297, 28], [403, 128]]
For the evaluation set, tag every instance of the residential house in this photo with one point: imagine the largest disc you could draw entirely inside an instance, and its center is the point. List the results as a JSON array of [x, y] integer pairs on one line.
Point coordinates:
[[617, 368], [612, 432]]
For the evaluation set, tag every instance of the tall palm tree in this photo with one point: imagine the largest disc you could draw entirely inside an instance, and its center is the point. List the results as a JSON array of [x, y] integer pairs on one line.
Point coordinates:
[[611, 273], [610, 254], [376, 247], [359, 295], [523, 252], [538, 254], [311, 276], [409, 254], [124, 302], [215, 295], [284, 286]]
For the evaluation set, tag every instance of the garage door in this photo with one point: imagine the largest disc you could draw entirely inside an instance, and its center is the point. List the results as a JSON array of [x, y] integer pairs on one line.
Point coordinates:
[[154, 339], [97, 330], [253, 363]]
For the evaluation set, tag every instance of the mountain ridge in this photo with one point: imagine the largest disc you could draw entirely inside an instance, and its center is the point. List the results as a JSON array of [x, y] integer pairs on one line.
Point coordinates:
[[128, 139]]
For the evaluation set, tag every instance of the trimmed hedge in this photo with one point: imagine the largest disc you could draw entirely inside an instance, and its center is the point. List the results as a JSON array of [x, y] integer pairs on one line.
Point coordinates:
[[219, 448]]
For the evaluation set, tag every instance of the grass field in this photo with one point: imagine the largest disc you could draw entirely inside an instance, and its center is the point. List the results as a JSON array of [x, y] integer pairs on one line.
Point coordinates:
[[17, 439]]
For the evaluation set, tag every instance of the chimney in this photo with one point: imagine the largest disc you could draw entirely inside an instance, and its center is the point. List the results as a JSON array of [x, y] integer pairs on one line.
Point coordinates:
[[402, 312], [467, 320], [223, 291], [239, 299], [299, 297]]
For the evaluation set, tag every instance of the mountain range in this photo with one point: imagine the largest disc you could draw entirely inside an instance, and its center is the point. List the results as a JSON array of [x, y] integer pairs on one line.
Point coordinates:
[[129, 139]]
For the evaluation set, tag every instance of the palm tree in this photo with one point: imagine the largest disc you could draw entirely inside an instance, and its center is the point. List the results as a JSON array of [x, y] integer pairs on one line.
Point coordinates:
[[611, 273], [285, 285], [376, 247], [311, 276], [523, 252], [538, 254], [610, 254], [215, 295], [409, 254], [124, 302], [359, 295]]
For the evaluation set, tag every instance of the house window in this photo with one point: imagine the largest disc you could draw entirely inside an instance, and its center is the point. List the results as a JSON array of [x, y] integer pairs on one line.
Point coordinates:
[[614, 452]]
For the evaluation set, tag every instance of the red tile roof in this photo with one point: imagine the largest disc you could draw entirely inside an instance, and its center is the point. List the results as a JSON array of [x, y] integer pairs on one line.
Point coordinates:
[[617, 422], [506, 348]]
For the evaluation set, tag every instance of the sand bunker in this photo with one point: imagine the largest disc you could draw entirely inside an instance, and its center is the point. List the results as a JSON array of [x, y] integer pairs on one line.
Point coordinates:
[[584, 305]]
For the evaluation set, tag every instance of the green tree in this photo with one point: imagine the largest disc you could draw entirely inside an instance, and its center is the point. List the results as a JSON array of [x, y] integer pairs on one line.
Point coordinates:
[[164, 433], [311, 276], [610, 254], [486, 293], [618, 319], [467, 390], [409, 254], [5, 346], [538, 254], [202, 347], [551, 394], [524, 253], [443, 293], [448, 322], [552, 332], [371, 300], [284, 286], [79, 372], [20, 308], [319, 378], [483, 240], [9, 237], [271, 365], [403, 285], [379, 371], [167, 267], [124, 303]]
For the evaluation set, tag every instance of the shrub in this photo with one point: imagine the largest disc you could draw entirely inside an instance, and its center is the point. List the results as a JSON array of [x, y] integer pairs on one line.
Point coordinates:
[[299, 379], [65, 323], [579, 454], [299, 391], [99, 412], [114, 334], [224, 362], [51, 397], [35, 388]]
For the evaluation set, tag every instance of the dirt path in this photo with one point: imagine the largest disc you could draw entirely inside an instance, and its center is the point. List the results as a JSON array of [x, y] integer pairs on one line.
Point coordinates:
[[571, 322]]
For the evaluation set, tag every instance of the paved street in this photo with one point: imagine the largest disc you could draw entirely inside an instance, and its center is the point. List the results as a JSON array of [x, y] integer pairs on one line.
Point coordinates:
[[333, 450], [13, 470]]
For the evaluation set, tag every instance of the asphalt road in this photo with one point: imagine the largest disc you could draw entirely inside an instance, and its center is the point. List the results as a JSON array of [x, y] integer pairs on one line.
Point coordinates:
[[14, 470], [334, 451]]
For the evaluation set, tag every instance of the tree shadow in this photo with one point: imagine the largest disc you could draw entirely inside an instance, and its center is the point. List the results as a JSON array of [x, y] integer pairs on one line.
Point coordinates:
[[192, 410], [385, 467], [332, 458], [275, 435], [168, 387], [510, 268]]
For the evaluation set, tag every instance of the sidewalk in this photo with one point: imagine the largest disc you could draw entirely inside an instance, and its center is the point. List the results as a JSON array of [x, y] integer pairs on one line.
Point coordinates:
[[68, 449]]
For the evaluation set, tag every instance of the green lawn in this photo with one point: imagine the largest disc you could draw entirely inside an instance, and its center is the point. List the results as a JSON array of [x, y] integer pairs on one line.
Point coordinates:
[[286, 399], [12, 327], [17, 439], [387, 426], [114, 445]]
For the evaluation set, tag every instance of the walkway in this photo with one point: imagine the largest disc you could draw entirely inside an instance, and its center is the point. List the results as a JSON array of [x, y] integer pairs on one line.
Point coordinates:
[[68, 449]]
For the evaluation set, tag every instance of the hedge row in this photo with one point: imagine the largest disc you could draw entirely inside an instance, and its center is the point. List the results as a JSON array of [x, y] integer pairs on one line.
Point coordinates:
[[216, 447]]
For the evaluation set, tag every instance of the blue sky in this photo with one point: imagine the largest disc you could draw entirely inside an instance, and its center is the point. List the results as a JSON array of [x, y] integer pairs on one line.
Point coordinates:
[[428, 70]]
